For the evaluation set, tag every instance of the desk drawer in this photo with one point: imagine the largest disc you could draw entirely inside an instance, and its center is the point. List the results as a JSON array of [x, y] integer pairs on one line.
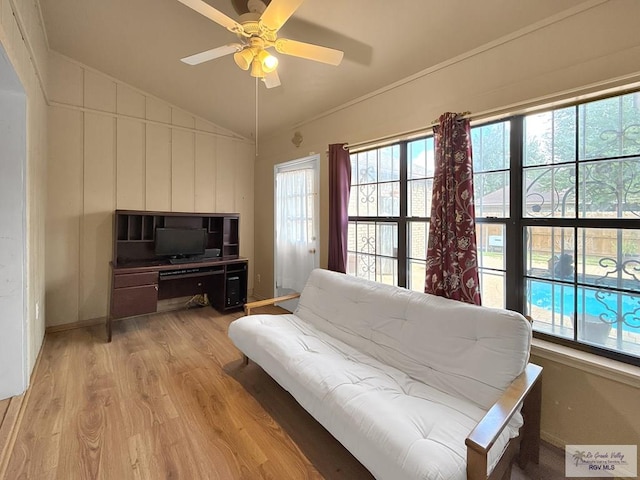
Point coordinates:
[[130, 301], [135, 279]]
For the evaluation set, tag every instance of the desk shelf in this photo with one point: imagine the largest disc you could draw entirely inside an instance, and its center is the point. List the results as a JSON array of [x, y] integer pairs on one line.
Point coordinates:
[[134, 233]]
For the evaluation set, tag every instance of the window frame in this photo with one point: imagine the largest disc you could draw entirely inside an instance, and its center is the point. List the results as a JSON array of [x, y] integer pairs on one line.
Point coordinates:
[[518, 243]]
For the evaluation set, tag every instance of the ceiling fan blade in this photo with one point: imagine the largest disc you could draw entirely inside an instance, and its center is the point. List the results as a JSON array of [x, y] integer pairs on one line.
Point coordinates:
[[309, 51], [213, 14], [214, 53], [272, 79], [278, 12]]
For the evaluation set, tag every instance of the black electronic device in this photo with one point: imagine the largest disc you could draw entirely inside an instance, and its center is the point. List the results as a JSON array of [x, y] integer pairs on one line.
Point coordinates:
[[233, 291], [211, 252], [190, 259], [180, 242]]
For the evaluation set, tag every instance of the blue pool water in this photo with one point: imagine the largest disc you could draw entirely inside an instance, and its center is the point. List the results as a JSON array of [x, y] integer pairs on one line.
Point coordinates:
[[560, 299]]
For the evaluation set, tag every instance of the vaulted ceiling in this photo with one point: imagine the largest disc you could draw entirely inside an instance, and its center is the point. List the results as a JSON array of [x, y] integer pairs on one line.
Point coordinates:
[[140, 43]]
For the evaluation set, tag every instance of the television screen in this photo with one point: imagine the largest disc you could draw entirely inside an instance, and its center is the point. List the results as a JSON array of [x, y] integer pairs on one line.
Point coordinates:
[[179, 242]]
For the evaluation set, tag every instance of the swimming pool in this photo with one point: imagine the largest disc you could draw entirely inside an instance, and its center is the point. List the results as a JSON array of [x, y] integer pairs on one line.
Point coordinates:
[[560, 298]]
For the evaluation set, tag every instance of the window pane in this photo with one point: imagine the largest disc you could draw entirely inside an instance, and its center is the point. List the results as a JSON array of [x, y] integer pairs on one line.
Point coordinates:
[[609, 258], [368, 200], [387, 270], [389, 163], [351, 263], [416, 277], [366, 237], [354, 200], [387, 240], [491, 262], [610, 188], [549, 192], [366, 266], [610, 127], [389, 199], [609, 319], [492, 288], [372, 250], [491, 242], [420, 193], [604, 302], [420, 163], [367, 168], [418, 238], [351, 249], [551, 306], [550, 137], [354, 169], [490, 144], [491, 191], [550, 253]]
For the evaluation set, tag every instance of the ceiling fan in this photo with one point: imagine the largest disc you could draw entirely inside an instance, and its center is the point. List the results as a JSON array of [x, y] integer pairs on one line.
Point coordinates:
[[258, 31]]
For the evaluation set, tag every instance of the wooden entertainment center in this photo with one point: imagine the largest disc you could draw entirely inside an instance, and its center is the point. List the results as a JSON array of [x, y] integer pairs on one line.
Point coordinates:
[[139, 278]]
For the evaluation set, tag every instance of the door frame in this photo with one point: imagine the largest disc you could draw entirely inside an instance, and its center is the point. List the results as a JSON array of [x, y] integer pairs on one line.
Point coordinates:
[[312, 161]]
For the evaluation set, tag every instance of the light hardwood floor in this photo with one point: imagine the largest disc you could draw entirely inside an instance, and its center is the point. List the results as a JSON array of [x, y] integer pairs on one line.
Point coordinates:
[[4, 404], [170, 398]]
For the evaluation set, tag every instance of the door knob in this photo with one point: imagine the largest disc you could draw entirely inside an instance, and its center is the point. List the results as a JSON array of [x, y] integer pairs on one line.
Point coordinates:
[[313, 250]]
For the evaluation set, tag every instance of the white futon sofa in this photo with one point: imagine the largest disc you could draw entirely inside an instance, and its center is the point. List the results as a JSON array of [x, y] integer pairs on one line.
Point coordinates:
[[413, 385]]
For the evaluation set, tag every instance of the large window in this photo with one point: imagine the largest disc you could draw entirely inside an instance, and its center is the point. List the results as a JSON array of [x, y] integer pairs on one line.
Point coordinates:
[[562, 245], [580, 217]]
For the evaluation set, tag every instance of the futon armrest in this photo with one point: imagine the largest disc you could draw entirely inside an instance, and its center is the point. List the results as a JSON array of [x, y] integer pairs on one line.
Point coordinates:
[[271, 301], [484, 435]]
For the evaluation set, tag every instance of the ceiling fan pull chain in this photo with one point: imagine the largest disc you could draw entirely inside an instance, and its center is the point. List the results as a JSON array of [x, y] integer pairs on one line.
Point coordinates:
[[256, 116]]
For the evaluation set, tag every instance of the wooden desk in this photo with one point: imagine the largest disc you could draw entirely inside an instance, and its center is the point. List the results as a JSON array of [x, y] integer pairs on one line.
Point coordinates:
[[139, 277], [137, 287]]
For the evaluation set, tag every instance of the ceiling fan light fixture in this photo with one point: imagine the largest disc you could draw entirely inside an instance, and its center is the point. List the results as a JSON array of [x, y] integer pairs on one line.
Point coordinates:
[[268, 62], [244, 58], [256, 68]]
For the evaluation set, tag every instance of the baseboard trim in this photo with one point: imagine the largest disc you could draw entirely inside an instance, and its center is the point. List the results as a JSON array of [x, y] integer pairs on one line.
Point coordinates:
[[10, 424], [164, 306], [552, 440], [74, 325]]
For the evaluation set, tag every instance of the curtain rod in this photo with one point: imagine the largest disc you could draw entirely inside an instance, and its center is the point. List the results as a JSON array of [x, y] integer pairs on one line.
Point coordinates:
[[397, 136]]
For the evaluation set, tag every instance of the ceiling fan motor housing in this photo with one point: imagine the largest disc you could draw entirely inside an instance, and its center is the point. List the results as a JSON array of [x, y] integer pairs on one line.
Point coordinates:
[[252, 28]]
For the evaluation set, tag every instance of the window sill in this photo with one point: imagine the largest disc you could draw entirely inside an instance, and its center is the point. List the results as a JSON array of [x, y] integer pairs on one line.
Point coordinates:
[[588, 362]]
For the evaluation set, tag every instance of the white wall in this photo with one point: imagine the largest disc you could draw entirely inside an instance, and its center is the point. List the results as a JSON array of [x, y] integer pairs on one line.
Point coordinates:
[[23, 40], [114, 147], [13, 160]]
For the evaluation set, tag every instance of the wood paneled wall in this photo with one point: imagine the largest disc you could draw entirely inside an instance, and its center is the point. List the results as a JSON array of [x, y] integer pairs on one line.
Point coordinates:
[[112, 146]]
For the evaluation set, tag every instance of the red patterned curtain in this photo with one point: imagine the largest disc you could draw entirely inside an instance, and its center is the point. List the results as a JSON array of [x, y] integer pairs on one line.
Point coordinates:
[[452, 262]]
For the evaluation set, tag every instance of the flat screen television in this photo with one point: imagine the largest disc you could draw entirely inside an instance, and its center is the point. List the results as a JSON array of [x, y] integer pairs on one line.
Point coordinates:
[[180, 242]]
